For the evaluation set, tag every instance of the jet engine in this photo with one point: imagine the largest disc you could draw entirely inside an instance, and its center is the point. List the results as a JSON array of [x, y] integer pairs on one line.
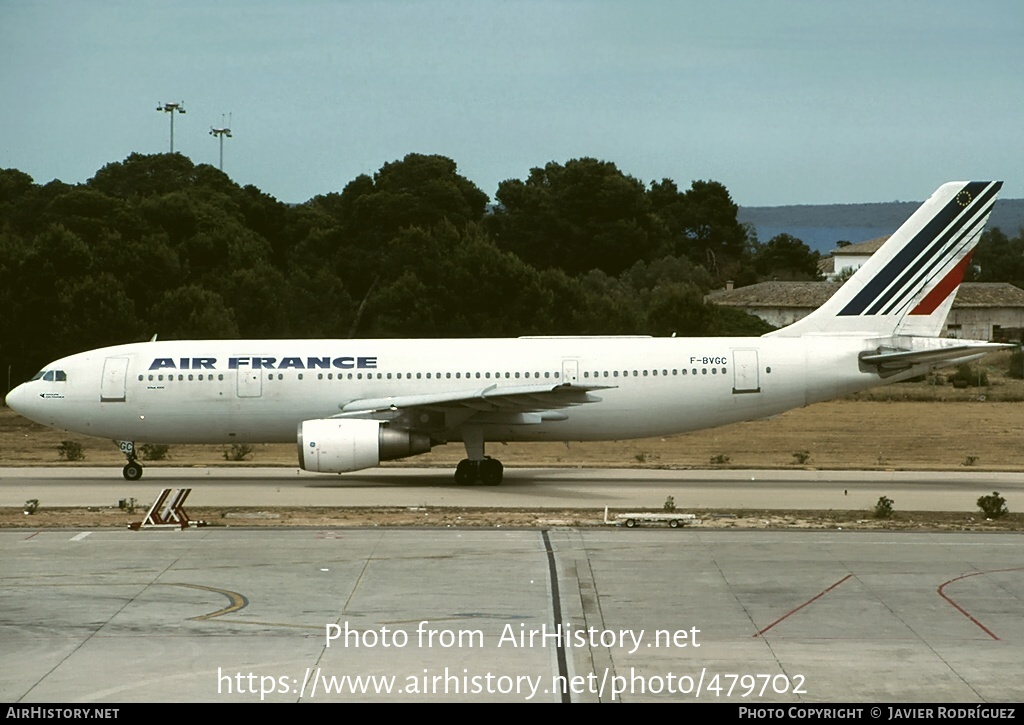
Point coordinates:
[[334, 445]]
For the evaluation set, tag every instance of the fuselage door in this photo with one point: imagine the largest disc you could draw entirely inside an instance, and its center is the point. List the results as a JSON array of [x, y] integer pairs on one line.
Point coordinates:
[[250, 383], [570, 371], [745, 372], [115, 375]]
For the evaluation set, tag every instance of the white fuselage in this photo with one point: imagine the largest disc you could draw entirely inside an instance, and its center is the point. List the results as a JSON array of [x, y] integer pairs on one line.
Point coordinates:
[[260, 391]]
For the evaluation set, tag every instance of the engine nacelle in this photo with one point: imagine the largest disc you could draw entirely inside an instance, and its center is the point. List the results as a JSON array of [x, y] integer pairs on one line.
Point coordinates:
[[337, 445]]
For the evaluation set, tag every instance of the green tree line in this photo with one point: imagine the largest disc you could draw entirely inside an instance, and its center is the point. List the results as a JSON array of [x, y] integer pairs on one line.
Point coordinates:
[[156, 244]]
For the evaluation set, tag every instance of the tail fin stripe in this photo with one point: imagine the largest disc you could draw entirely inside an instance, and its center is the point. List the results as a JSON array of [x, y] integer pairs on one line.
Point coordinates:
[[923, 247], [951, 247], [943, 289], [946, 222]]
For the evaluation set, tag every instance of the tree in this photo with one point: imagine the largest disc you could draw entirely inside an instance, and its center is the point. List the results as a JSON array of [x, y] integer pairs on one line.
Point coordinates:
[[785, 257], [581, 216], [998, 258], [702, 224], [419, 191], [192, 312]]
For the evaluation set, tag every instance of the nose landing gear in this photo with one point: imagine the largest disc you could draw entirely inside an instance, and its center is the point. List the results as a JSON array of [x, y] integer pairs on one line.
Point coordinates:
[[132, 470]]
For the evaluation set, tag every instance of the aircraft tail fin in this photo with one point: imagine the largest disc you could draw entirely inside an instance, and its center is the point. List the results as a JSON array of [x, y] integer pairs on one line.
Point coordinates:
[[908, 285]]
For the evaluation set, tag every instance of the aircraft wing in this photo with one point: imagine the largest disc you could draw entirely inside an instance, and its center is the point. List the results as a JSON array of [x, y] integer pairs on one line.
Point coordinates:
[[518, 398], [511, 405]]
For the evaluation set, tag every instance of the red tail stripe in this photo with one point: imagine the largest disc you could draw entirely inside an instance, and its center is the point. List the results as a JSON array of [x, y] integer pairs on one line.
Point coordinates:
[[943, 289]]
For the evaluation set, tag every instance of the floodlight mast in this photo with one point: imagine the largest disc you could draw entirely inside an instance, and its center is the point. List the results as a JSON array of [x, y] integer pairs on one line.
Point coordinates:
[[220, 133], [172, 108]]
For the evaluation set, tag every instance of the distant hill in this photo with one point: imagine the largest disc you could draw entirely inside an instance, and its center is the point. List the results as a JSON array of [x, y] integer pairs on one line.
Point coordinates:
[[821, 226]]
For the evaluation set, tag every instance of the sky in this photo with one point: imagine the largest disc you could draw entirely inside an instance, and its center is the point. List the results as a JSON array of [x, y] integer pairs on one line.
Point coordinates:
[[782, 101]]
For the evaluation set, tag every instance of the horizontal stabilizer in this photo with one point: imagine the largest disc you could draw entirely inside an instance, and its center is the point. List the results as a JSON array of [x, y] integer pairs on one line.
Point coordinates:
[[896, 360]]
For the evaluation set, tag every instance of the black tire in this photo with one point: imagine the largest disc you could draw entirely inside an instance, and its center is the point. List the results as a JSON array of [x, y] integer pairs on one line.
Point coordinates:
[[132, 471], [466, 472], [491, 472], [673, 524], [630, 523]]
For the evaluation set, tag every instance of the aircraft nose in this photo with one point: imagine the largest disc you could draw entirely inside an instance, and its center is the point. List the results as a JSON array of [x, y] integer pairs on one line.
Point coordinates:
[[17, 399]]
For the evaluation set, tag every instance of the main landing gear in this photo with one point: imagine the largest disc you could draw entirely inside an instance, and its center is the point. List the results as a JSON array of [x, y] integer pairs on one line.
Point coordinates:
[[477, 467], [132, 470], [487, 471]]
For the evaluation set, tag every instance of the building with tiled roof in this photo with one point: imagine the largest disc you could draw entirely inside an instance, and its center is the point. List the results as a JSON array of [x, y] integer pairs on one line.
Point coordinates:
[[981, 310], [853, 256]]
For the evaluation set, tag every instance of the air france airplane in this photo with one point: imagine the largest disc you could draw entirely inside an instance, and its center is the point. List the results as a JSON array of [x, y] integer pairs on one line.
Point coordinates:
[[355, 403]]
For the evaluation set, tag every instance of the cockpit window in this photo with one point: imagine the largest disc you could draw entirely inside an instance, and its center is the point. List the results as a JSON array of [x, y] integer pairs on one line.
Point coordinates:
[[58, 376]]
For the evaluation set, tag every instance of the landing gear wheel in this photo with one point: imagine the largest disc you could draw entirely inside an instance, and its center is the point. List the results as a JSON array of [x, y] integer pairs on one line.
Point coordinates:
[[467, 472], [630, 523], [132, 471], [491, 472], [673, 524]]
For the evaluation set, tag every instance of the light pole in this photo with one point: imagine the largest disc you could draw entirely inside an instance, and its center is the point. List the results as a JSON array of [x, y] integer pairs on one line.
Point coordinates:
[[220, 133], [171, 108]]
